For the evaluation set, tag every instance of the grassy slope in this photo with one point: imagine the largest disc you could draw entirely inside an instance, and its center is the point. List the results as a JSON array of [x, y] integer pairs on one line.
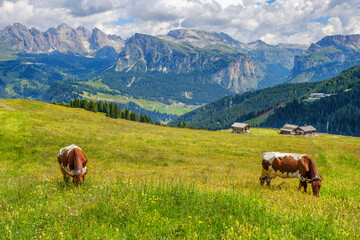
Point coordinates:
[[146, 181]]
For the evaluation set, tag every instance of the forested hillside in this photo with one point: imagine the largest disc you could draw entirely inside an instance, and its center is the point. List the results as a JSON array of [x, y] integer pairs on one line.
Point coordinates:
[[224, 112], [342, 111]]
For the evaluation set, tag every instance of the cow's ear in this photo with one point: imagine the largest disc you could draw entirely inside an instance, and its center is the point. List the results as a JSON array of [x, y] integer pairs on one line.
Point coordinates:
[[85, 172], [321, 178], [70, 174]]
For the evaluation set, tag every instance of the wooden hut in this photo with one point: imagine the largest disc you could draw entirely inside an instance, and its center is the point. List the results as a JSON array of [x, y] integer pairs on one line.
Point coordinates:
[[306, 130], [289, 129], [240, 128]]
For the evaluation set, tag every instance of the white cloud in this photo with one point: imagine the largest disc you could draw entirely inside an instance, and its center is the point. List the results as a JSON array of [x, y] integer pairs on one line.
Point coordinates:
[[18, 11], [246, 20], [333, 27]]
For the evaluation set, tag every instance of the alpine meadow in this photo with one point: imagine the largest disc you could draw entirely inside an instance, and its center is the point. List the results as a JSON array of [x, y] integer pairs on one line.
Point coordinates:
[[180, 119], [154, 182]]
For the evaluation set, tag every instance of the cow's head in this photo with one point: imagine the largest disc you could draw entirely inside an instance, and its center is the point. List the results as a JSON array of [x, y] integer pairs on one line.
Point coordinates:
[[316, 184], [78, 178]]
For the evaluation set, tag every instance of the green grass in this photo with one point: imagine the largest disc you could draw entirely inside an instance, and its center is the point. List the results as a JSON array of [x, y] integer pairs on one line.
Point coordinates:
[[8, 54], [258, 120], [148, 182], [146, 104]]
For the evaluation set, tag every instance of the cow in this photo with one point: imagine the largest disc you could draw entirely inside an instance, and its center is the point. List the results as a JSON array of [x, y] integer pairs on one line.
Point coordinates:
[[72, 161], [290, 165]]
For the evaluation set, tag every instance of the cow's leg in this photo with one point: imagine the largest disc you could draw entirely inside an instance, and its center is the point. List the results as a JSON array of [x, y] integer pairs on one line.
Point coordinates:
[[305, 186], [268, 181], [302, 184], [66, 176], [262, 180]]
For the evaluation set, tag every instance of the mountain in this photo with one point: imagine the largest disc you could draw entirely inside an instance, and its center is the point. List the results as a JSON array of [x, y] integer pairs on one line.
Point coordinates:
[[278, 59], [327, 58], [201, 39], [234, 71], [191, 66], [166, 69], [63, 39], [216, 57], [241, 107]]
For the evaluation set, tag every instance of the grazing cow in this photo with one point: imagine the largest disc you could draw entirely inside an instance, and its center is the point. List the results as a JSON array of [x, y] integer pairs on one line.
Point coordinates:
[[290, 165], [72, 163]]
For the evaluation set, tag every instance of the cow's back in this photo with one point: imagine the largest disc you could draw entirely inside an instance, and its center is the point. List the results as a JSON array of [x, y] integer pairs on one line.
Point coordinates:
[[72, 158], [281, 164], [270, 156]]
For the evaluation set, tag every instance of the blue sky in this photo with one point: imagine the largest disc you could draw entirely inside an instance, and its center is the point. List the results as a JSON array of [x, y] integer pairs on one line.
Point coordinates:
[[273, 21]]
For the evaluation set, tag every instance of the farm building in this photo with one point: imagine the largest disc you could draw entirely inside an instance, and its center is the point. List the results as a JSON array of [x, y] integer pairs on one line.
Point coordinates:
[[319, 95], [288, 129], [305, 130], [240, 127]]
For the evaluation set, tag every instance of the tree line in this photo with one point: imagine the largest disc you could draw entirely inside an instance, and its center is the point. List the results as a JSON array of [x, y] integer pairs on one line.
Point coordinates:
[[110, 109], [114, 111]]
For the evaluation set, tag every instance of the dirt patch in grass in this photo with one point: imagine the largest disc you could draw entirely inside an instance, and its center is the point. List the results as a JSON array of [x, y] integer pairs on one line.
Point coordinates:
[[6, 107]]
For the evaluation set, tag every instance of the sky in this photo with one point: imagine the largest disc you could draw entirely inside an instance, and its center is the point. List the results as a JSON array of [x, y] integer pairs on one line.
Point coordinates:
[[273, 21]]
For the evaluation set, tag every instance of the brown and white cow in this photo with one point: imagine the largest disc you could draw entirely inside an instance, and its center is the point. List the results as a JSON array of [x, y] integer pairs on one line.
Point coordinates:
[[72, 161], [290, 165]]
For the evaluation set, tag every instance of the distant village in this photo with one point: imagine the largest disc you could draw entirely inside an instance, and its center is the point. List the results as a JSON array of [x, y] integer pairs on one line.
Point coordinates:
[[287, 129]]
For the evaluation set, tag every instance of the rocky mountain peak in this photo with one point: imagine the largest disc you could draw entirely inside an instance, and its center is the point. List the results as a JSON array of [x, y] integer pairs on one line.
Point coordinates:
[[259, 44], [63, 38], [199, 38], [64, 26], [350, 41], [20, 27], [84, 32], [326, 58]]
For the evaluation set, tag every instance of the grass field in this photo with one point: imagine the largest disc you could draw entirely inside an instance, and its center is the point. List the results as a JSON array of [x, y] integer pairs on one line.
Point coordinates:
[[152, 182], [146, 104]]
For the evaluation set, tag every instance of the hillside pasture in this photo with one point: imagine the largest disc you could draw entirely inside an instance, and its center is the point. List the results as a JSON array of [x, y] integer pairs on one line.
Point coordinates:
[[152, 182]]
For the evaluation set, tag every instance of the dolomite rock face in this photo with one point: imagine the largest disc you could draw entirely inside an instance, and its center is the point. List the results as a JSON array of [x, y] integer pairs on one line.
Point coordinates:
[[234, 71], [240, 76], [63, 39], [327, 58]]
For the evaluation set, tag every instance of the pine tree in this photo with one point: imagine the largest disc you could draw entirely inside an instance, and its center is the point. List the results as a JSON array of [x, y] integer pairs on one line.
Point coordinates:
[[133, 116], [107, 110], [112, 110], [127, 114]]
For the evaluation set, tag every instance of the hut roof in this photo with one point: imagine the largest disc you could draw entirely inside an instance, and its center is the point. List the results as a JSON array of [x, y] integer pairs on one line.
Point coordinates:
[[289, 127], [308, 128], [240, 125]]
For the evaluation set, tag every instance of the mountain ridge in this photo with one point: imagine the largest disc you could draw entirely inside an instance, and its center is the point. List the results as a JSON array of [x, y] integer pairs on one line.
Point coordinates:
[[63, 38], [326, 58]]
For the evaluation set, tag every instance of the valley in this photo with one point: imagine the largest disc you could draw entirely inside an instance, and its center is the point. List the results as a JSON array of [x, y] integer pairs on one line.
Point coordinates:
[[169, 74]]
